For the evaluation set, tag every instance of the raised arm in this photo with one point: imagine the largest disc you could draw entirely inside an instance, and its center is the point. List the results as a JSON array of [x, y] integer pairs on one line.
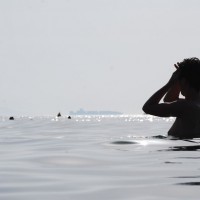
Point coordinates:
[[173, 93], [153, 105]]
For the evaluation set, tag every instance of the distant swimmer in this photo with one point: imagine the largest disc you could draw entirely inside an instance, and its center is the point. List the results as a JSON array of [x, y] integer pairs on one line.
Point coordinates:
[[11, 118], [185, 80], [69, 117], [59, 114]]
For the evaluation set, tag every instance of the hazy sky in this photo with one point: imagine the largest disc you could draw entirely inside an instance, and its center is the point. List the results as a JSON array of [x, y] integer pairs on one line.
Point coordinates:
[[62, 55]]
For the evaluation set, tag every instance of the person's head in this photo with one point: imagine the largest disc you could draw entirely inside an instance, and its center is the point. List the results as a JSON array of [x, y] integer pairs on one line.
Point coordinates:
[[189, 75]]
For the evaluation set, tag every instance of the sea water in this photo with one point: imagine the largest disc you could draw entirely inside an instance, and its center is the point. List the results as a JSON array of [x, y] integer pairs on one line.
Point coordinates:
[[96, 157]]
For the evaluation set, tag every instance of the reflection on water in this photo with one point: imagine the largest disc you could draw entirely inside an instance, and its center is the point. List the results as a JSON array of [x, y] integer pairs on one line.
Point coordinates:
[[183, 148], [186, 177], [123, 142], [190, 183], [158, 140], [115, 158], [168, 162], [191, 157], [158, 137]]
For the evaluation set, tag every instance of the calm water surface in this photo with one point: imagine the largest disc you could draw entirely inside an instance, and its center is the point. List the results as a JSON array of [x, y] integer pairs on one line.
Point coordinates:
[[120, 157]]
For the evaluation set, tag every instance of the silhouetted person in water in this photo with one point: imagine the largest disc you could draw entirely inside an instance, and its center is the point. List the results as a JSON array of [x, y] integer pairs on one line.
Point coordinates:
[[185, 80], [69, 117], [11, 118], [59, 114]]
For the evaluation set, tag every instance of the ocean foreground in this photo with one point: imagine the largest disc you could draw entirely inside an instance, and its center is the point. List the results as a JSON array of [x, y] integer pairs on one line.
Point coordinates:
[[96, 157]]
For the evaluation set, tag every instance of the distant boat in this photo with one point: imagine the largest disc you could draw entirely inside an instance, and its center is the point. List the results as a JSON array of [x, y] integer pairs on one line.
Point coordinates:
[[59, 114]]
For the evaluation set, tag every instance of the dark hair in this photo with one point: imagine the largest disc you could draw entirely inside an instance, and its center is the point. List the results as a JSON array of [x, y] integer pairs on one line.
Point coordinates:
[[190, 70]]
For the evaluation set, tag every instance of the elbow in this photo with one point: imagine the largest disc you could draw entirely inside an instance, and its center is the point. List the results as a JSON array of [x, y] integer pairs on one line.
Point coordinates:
[[145, 109]]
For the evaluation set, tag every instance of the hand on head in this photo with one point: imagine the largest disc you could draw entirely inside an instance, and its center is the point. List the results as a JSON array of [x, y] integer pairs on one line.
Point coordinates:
[[176, 65], [175, 76]]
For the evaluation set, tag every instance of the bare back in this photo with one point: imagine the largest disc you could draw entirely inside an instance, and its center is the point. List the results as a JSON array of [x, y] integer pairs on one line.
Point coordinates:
[[187, 125]]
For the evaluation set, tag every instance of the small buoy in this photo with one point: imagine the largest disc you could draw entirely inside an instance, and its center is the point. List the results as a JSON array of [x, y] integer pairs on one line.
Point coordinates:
[[59, 114], [69, 117], [11, 118]]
